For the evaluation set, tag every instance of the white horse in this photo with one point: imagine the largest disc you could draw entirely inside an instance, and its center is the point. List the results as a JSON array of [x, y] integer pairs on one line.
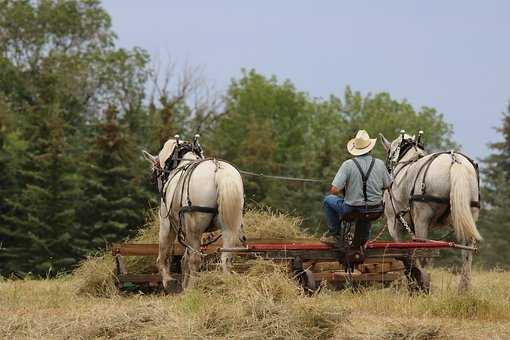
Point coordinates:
[[432, 191], [198, 195]]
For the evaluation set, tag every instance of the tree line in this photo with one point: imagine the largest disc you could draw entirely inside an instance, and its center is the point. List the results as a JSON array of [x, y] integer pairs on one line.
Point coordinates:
[[76, 111]]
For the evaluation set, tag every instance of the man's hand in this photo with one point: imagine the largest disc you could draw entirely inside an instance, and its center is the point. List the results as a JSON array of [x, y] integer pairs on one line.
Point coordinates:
[[335, 191]]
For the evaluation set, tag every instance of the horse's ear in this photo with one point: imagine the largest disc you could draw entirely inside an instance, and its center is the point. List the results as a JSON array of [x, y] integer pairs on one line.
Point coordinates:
[[385, 143], [149, 157]]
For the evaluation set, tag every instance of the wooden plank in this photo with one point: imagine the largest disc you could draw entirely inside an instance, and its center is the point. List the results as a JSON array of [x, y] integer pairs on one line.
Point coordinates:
[[329, 275], [356, 276], [385, 259], [144, 249], [319, 253], [366, 277], [375, 267], [140, 278], [324, 266]]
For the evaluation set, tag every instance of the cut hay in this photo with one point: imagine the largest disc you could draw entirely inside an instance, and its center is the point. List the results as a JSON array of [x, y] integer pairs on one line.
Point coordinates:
[[96, 274], [267, 224], [263, 303]]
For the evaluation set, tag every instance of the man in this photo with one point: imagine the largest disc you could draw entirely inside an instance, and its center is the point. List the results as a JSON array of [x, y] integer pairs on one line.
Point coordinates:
[[357, 188]]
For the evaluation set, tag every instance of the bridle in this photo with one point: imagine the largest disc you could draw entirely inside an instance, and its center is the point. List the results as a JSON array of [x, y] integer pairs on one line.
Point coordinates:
[[161, 173], [394, 158]]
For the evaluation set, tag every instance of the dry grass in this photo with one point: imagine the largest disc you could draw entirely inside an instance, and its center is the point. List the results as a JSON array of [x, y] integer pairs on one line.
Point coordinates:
[[258, 224], [96, 275], [267, 224], [260, 304]]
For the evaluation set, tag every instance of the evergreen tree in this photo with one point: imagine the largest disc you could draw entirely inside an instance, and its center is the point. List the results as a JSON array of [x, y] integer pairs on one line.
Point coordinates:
[[113, 192], [495, 216], [59, 68], [42, 217], [12, 162]]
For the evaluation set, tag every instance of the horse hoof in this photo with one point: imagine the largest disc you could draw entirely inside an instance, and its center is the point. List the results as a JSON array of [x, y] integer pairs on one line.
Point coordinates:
[[172, 286]]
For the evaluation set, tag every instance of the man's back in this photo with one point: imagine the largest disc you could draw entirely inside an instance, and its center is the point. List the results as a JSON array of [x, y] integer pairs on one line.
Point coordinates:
[[349, 178]]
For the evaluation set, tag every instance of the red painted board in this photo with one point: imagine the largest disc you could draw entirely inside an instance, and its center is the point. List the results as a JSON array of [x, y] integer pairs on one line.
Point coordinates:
[[289, 246], [323, 246], [409, 245]]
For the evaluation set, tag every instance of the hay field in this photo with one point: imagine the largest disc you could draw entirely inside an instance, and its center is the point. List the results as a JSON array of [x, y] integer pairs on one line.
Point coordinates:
[[262, 303]]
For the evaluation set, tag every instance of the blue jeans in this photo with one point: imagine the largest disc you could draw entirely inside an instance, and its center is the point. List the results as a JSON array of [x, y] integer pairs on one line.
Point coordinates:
[[335, 208]]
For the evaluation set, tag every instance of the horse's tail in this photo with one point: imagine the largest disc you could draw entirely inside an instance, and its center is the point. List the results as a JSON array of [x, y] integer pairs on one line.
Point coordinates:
[[460, 203], [230, 203]]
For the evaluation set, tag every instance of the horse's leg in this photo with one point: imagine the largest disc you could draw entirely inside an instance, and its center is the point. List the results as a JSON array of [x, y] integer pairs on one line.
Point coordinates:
[[228, 242], [391, 221], [467, 260], [193, 259], [465, 275], [165, 241], [196, 223], [185, 268], [423, 215], [393, 229]]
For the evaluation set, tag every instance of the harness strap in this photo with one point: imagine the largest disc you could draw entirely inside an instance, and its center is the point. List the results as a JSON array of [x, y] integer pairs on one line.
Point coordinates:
[[364, 177], [429, 198], [440, 200], [197, 208]]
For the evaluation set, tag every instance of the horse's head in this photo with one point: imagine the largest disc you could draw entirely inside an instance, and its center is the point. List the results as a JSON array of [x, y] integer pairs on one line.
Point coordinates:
[[403, 148], [174, 149], [177, 148], [158, 162]]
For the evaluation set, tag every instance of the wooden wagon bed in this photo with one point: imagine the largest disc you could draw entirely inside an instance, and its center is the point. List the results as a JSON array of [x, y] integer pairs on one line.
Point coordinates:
[[382, 262]]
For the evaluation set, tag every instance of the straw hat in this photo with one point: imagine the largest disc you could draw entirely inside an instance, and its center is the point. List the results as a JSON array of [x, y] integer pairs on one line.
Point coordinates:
[[361, 144]]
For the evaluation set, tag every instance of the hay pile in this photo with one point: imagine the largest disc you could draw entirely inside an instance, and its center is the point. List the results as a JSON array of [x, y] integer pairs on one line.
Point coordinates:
[[258, 224], [96, 275], [262, 303], [267, 224]]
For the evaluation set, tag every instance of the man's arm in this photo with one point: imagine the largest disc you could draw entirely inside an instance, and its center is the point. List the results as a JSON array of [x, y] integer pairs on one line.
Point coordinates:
[[336, 191], [340, 180]]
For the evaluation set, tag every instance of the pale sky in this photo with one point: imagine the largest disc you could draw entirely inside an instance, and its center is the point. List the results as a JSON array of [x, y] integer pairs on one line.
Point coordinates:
[[450, 55]]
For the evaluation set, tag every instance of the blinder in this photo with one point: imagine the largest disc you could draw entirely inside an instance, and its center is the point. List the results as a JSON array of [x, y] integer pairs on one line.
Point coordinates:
[[405, 145]]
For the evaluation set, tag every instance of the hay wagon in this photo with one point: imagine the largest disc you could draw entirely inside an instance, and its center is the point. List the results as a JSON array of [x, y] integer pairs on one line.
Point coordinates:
[[310, 262]]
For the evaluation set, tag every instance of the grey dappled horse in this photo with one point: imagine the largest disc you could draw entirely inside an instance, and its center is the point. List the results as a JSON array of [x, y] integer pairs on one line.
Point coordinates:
[[432, 191], [198, 193]]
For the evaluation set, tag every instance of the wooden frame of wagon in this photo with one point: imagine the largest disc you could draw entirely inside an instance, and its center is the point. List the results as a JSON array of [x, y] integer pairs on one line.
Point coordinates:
[[311, 262]]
